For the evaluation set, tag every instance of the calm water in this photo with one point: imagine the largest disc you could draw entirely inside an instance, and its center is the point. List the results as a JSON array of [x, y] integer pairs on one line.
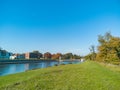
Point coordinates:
[[6, 69]]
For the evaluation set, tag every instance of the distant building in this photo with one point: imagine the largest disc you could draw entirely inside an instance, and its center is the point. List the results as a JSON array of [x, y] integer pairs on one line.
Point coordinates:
[[17, 56], [12, 57], [4, 54], [21, 56], [31, 55]]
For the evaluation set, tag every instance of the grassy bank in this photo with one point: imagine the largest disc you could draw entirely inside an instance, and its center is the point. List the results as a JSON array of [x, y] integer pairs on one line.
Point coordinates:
[[85, 76]]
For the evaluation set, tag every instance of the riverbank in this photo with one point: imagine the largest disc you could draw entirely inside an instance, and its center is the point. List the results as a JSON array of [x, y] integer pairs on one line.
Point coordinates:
[[19, 61], [23, 61], [85, 76]]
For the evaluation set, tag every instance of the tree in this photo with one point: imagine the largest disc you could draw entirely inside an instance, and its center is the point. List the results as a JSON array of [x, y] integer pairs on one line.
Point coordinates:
[[109, 48], [88, 57], [35, 51], [76, 56], [105, 38], [56, 56], [93, 53], [38, 54], [114, 48], [67, 56], [47, 55]]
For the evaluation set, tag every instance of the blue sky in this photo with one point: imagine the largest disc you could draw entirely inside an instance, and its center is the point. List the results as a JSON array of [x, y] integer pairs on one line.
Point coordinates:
[[56, 25]]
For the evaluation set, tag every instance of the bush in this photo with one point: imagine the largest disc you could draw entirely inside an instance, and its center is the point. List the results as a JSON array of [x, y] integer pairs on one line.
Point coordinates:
[[116, 63]]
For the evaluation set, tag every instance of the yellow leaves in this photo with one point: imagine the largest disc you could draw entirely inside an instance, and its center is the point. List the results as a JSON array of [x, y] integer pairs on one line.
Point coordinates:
[[109, 50]]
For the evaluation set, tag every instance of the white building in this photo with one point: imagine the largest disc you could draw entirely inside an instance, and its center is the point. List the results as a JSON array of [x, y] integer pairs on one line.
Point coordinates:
[[13, 57], [17, 56]]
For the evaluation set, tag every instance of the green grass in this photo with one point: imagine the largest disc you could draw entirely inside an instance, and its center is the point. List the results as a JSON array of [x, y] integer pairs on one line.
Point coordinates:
[[86, 76]]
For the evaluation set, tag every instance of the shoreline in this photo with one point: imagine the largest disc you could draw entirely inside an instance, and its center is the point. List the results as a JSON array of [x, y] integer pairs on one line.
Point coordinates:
[[24, 61], [21, 61]]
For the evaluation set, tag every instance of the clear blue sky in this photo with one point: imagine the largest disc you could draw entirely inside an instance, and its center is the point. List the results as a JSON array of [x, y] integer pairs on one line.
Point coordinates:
[[56, 25]]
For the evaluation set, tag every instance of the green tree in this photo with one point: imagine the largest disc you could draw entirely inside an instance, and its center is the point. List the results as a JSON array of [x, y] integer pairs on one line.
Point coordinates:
[[38, 54], [67, 56], [76, 56], [88, 57]]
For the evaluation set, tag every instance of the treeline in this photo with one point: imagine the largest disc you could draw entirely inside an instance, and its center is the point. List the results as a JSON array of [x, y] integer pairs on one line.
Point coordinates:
[[37, 55], [57, 56], [108, 49]]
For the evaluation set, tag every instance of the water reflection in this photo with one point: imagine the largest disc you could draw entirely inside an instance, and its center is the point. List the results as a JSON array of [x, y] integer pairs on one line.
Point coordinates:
[[6, 69]]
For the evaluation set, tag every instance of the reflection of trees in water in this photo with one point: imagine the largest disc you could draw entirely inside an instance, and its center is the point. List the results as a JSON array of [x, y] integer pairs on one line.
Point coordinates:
[[44, 64], [26, 66], [3, 68], [15, 68], [8, 69], [20, 67], [47, 64], [35, 65]]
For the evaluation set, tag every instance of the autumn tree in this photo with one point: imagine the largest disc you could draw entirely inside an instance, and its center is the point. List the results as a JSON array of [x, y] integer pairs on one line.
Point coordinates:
[[109, 48], [56, 56], [47, 55]]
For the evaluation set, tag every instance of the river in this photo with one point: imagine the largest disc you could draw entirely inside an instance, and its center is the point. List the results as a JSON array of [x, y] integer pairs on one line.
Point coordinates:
[[6, 69]]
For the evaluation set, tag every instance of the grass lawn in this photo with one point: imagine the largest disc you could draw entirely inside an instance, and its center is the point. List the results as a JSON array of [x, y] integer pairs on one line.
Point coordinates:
[[86, 76]]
